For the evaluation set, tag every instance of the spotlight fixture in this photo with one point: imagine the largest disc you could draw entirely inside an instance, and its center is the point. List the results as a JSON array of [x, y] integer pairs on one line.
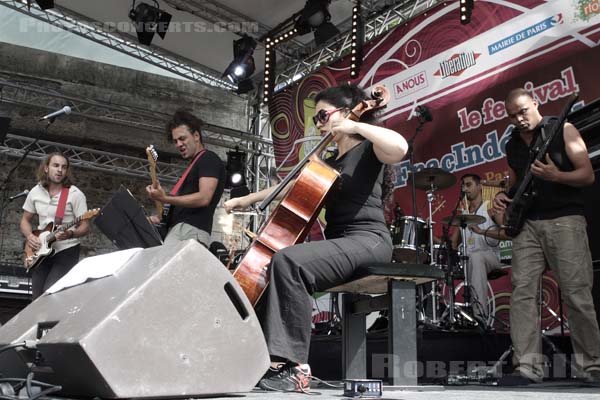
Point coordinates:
[[236, 167], [358, 40], [149, 20], [315, 17], [242, 66], [43, 4], [466, 8]]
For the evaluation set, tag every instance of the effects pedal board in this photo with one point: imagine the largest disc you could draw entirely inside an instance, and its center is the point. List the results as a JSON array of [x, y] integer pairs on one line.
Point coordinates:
[[363, 388]]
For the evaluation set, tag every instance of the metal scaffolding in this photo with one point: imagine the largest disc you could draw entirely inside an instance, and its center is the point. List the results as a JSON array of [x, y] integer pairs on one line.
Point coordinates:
[[15, 146], [92, 30], [27, 94], [385, 21]]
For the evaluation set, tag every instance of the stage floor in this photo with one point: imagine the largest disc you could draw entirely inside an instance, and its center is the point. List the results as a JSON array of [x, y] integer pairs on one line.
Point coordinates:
[[551, 390]]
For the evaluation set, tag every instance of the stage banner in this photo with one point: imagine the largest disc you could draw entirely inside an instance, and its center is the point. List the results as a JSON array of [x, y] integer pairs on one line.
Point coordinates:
[[462, 73]]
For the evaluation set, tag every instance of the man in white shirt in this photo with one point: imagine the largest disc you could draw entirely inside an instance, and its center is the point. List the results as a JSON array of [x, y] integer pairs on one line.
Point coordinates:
[[481, 244], [43, 200]]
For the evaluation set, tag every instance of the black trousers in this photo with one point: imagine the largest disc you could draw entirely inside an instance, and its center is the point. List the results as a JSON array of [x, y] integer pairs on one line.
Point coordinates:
[[296, 272], [51, 269]]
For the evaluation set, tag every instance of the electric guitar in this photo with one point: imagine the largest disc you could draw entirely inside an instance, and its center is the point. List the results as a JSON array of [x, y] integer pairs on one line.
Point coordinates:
[[514, 218], [161, 210], [48, 236]]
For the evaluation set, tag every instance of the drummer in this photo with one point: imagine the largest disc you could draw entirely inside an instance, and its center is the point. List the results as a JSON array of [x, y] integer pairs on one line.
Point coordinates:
[[481, 241]]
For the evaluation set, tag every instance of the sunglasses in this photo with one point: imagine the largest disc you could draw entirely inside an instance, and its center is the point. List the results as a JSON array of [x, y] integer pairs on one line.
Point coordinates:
[[323, 116]]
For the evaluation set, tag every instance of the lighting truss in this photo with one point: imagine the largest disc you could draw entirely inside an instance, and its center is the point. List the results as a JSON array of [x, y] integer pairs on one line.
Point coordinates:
[[358, 38], [27, 94], [388, 19], [91, 30], [96, 160], [214, 12]]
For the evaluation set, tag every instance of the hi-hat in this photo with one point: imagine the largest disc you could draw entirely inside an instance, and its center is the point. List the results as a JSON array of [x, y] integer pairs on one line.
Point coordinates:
[[465, 219], [433, 178]]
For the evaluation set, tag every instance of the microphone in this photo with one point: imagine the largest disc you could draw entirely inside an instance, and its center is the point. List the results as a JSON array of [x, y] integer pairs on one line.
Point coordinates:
[[16, 196], [424, 113], [51, 117]]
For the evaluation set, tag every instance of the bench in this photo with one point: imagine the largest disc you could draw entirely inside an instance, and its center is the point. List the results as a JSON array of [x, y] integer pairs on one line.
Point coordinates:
[[396, 284]]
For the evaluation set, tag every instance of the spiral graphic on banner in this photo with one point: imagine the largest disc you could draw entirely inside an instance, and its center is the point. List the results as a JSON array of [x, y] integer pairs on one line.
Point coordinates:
[[288, 116]]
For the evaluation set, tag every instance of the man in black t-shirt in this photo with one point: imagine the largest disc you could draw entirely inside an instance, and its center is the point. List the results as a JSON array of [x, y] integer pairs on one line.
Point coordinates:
[[195, 196], [554, 234]]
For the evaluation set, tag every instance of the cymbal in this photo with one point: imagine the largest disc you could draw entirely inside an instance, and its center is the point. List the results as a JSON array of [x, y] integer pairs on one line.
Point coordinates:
[[436, 177], [466, 219]]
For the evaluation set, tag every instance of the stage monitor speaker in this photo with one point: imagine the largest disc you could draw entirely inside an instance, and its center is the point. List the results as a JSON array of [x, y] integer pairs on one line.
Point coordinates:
[[171, 322]]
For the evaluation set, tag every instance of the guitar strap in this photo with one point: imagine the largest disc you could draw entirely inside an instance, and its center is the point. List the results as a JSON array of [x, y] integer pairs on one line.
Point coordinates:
[[185, 174], [62, 204]]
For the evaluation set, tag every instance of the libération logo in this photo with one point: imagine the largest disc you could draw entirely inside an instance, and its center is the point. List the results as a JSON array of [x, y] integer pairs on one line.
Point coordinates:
[[526, 33], [587, 9], [457, 64]]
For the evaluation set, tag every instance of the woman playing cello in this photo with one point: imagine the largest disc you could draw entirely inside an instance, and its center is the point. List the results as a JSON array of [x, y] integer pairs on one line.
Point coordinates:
[[356, 233]]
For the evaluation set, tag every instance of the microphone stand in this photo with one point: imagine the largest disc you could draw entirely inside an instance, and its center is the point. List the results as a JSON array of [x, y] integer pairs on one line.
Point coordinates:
[[450, 277], [413, 191]]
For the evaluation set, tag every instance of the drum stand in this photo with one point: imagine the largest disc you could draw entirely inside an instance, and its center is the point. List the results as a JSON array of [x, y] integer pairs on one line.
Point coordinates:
[[434, 295], [465, 311]]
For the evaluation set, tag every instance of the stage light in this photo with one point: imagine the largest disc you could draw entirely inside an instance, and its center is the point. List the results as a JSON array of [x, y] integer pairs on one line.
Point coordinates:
[[149, 20], [466, 8], [43, 4], [315, 17], [358, 40], [242, 66], [236, 167]]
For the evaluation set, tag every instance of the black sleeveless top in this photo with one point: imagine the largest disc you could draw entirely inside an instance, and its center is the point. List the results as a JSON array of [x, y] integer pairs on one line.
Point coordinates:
[[553, 200], [354, 205]]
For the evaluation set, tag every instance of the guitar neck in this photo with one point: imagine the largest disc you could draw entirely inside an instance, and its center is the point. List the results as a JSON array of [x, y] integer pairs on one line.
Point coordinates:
[[316, 150]]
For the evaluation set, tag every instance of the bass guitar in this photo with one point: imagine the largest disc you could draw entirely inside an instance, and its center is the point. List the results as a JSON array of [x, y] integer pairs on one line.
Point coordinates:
[[47, 237], [514, 217]]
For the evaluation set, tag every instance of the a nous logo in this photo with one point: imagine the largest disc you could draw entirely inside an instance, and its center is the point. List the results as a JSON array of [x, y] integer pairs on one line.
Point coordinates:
[[410, 85]]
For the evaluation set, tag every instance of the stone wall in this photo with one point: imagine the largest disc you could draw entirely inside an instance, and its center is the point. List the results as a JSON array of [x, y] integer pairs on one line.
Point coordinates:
[[106, 83]]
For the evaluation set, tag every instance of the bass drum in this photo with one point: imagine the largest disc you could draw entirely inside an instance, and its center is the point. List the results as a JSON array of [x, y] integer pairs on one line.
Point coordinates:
[[404, 236]]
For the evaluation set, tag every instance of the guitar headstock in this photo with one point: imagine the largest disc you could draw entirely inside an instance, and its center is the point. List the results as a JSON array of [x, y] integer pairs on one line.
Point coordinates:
[[89, 214], [152, 154]]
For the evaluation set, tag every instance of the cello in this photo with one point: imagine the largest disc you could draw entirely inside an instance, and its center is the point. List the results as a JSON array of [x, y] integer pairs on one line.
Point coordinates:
[[291, 220]]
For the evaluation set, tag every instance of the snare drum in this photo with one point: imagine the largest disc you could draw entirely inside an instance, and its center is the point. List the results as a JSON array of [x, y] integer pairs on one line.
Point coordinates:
[[443, 257], [404, 238]]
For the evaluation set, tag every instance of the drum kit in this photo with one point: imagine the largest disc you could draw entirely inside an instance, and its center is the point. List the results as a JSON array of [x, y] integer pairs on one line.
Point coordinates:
[[414, 242]]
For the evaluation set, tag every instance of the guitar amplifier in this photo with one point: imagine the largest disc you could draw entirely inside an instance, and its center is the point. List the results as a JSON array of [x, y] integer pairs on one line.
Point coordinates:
[[14, 282], [587, 121]]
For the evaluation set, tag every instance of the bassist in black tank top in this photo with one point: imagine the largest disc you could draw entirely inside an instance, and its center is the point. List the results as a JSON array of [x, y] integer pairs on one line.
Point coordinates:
[[553, 234]]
